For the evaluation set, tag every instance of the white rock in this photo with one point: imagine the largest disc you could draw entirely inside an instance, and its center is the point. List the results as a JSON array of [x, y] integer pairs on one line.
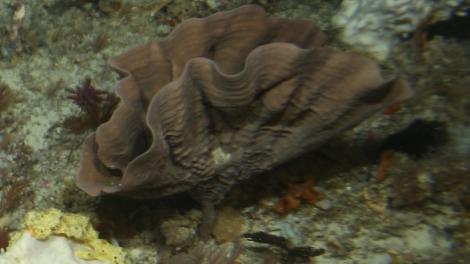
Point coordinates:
[[375, 26], [54, 250]]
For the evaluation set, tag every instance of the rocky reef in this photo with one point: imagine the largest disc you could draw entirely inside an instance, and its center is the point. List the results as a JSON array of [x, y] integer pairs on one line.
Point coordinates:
[[392, 189]]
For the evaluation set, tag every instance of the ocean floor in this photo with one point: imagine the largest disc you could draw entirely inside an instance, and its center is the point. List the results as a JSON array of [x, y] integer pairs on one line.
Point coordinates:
[[394, 189]]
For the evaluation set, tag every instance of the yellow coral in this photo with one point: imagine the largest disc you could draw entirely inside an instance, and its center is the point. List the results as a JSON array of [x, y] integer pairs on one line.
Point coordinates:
[[42, 224]]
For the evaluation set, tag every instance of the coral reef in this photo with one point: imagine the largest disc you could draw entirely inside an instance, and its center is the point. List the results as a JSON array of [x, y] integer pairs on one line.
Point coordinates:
[[409, 205], [205, 118]]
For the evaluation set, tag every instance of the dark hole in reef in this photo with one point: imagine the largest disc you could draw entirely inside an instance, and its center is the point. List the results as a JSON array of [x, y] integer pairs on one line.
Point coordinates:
[[455, 27], [212, 48], [142, 143], [418, 138], [114, 172], [125, 217]]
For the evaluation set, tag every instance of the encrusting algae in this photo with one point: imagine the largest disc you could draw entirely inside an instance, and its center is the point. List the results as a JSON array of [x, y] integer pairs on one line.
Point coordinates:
[[44, 224]]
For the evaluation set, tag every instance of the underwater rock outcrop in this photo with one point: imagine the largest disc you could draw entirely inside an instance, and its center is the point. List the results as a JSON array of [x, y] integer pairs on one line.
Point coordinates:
[[224, 98], [376, 26]]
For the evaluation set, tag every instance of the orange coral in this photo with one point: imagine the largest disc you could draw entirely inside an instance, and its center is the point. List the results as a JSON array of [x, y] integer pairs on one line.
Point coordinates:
[[296, 192], [392, 109], [385, 159]]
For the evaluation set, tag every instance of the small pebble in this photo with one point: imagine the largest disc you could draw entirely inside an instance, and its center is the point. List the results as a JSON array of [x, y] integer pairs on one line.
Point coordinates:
[[324, 204]]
